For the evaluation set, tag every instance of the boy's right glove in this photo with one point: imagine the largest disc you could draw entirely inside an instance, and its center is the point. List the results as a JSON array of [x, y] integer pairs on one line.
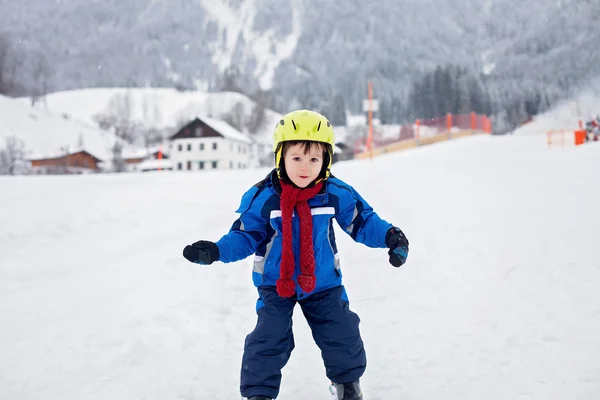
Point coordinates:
[[202, 252], [397, 242]]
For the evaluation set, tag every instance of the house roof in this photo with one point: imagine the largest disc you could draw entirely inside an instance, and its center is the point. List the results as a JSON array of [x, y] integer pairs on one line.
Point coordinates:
[[226, 130], [70, 150], [136, 152], [57, 155]]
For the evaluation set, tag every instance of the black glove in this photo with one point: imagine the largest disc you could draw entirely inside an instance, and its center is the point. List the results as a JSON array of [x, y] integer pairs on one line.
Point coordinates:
[[201, 252], [398, 245]]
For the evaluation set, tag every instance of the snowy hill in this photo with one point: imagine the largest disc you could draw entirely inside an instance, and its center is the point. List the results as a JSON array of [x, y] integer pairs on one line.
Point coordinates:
[[46, 133], [567, 114], [499, 298], [161, 108], [307, 50]]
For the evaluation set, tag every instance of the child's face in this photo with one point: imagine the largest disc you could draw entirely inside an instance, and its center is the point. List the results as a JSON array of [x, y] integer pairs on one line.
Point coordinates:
[[303, 168]]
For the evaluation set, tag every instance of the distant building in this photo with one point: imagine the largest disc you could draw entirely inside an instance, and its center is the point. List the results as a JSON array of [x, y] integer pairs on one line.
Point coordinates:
[[154, 164], [206, 143], [202, 144], [76, 162], [143, 160], [342, 152]]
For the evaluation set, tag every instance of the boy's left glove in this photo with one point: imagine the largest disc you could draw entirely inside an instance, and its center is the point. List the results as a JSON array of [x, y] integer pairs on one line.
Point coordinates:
[[397, 242], [202, 252]]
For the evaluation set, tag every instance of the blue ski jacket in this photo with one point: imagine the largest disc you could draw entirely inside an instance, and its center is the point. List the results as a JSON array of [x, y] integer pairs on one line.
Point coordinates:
[[258, 231]]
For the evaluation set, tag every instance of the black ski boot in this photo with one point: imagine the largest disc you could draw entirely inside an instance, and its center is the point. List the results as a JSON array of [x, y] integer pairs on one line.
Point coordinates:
[[259, 398], [348, 391]]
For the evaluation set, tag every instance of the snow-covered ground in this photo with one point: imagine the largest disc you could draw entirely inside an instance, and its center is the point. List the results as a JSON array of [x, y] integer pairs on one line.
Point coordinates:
[[499, 298]]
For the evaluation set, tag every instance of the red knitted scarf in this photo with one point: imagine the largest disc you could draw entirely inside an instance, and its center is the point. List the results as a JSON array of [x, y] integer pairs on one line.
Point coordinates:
[[293, 197]]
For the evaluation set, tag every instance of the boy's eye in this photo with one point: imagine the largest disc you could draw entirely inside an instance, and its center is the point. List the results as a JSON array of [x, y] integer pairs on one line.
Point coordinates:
[[296, 158], [314, 159]]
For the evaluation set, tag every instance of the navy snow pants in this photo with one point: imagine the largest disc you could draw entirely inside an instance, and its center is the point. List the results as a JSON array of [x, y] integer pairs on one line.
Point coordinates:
[[268, 348]]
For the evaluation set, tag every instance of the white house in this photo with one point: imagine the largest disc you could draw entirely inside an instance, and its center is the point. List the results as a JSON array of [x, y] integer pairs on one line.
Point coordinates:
[[208, 143]]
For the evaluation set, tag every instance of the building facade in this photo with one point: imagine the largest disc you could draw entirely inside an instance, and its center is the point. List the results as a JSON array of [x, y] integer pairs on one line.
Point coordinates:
[[80, 162], [209, 144]]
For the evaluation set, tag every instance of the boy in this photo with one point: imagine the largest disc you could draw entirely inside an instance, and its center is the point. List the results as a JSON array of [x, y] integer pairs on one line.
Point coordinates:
[[286, 220]]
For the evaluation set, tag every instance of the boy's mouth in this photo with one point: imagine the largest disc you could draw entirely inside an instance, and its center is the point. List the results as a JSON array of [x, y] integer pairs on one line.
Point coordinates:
[[303, 176]]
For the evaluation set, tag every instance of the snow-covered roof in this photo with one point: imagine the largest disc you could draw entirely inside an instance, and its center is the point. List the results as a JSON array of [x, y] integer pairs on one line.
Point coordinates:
[[226, 130], [136, 152], [59, 153]]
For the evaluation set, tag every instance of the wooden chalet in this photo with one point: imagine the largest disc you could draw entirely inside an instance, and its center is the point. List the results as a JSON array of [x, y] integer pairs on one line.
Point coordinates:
[[73, 163]]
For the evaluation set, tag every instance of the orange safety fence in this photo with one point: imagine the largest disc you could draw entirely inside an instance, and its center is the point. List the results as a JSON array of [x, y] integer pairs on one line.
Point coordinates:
[[421, 132], [566, 137]]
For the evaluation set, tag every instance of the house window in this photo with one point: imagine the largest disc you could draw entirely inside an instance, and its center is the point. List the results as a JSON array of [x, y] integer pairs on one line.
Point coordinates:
[[199, 131], [201, 164], [214, 165], [179, 166], [189, 147], [240, 165], [189, 165], [214, 145], [201, 146], [180, 147], [230, 164]]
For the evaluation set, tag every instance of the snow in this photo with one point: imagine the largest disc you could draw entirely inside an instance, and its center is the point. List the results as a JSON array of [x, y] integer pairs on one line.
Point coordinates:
[[498, 300], [226, 18], [227, 130], [269, 48], [488, 68], [567, 114], [357, 128], [154, 164], [133, 152], [157, 107], [45, 133]]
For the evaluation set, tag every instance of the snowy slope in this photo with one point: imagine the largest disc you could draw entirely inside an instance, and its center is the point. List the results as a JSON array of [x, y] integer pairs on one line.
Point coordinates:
[[158, 108], [567, 114], [499, 298], [45, 132]]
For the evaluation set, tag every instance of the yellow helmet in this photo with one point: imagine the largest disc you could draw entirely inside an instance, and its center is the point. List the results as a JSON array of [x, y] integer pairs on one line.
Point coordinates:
[[303, 125]]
